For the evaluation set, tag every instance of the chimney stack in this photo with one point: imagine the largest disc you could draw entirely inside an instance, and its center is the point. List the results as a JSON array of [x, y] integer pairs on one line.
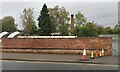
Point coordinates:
[[72, 24]]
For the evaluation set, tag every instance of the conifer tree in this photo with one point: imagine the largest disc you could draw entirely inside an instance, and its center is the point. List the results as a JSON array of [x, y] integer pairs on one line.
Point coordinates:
[[44, 22]]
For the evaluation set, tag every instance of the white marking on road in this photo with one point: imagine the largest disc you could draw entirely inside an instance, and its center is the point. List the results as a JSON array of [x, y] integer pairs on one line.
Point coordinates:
[[58, 63]]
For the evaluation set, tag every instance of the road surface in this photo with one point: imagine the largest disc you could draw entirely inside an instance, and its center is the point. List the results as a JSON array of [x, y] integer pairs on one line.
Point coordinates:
[[30, 65]]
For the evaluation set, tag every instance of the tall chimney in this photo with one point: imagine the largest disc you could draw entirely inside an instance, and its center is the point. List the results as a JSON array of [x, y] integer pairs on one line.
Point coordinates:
[[72, 24]]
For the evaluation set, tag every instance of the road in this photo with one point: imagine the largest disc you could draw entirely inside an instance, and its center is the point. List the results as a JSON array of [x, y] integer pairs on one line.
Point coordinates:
[[30, 65]]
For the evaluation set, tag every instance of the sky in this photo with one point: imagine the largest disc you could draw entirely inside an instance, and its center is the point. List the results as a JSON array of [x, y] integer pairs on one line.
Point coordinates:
[[103, 13]]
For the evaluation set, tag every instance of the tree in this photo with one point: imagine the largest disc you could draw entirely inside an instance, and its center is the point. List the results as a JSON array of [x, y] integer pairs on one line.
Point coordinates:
[[108, 30], [28, 22], [30, 28], [84, 31], [92, 26], [64, 30], [80, 19], [84, 28], [8, 24], [44, 22], [100, 29], [59, 18]]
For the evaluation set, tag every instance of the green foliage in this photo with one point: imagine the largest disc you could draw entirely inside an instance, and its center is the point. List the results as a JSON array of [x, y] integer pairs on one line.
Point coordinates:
[[108, 30], [84, 31], [30, 28], [8, 24], [28, 22], [84, 28], [64, 31], [59, 18], [80, 19], [45, 24], [100, 29], [92, 26]]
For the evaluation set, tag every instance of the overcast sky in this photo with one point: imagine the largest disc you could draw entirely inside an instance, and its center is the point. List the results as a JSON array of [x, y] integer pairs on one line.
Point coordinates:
[[103, 13]]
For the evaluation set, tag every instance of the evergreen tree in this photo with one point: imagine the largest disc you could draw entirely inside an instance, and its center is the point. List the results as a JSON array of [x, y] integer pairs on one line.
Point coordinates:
[[45, 23]]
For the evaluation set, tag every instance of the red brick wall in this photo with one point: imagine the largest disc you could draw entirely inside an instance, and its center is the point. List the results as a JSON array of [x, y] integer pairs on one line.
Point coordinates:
[[90, 43]]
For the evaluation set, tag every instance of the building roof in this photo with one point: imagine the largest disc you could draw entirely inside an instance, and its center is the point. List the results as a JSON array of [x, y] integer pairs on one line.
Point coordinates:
[[12, 35], [3, 33]]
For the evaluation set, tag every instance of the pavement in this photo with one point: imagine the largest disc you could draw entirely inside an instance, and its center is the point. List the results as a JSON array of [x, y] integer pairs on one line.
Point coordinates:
[[111, 60]]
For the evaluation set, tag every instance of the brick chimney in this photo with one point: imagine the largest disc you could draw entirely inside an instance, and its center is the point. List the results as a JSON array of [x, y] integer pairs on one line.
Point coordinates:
[[72, 24]]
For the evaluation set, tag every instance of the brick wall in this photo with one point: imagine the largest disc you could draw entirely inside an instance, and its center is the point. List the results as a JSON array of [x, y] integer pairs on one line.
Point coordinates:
[[80, 43]]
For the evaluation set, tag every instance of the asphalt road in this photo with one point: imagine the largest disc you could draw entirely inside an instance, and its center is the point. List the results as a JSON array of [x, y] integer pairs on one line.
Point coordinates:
[[29, 65]]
